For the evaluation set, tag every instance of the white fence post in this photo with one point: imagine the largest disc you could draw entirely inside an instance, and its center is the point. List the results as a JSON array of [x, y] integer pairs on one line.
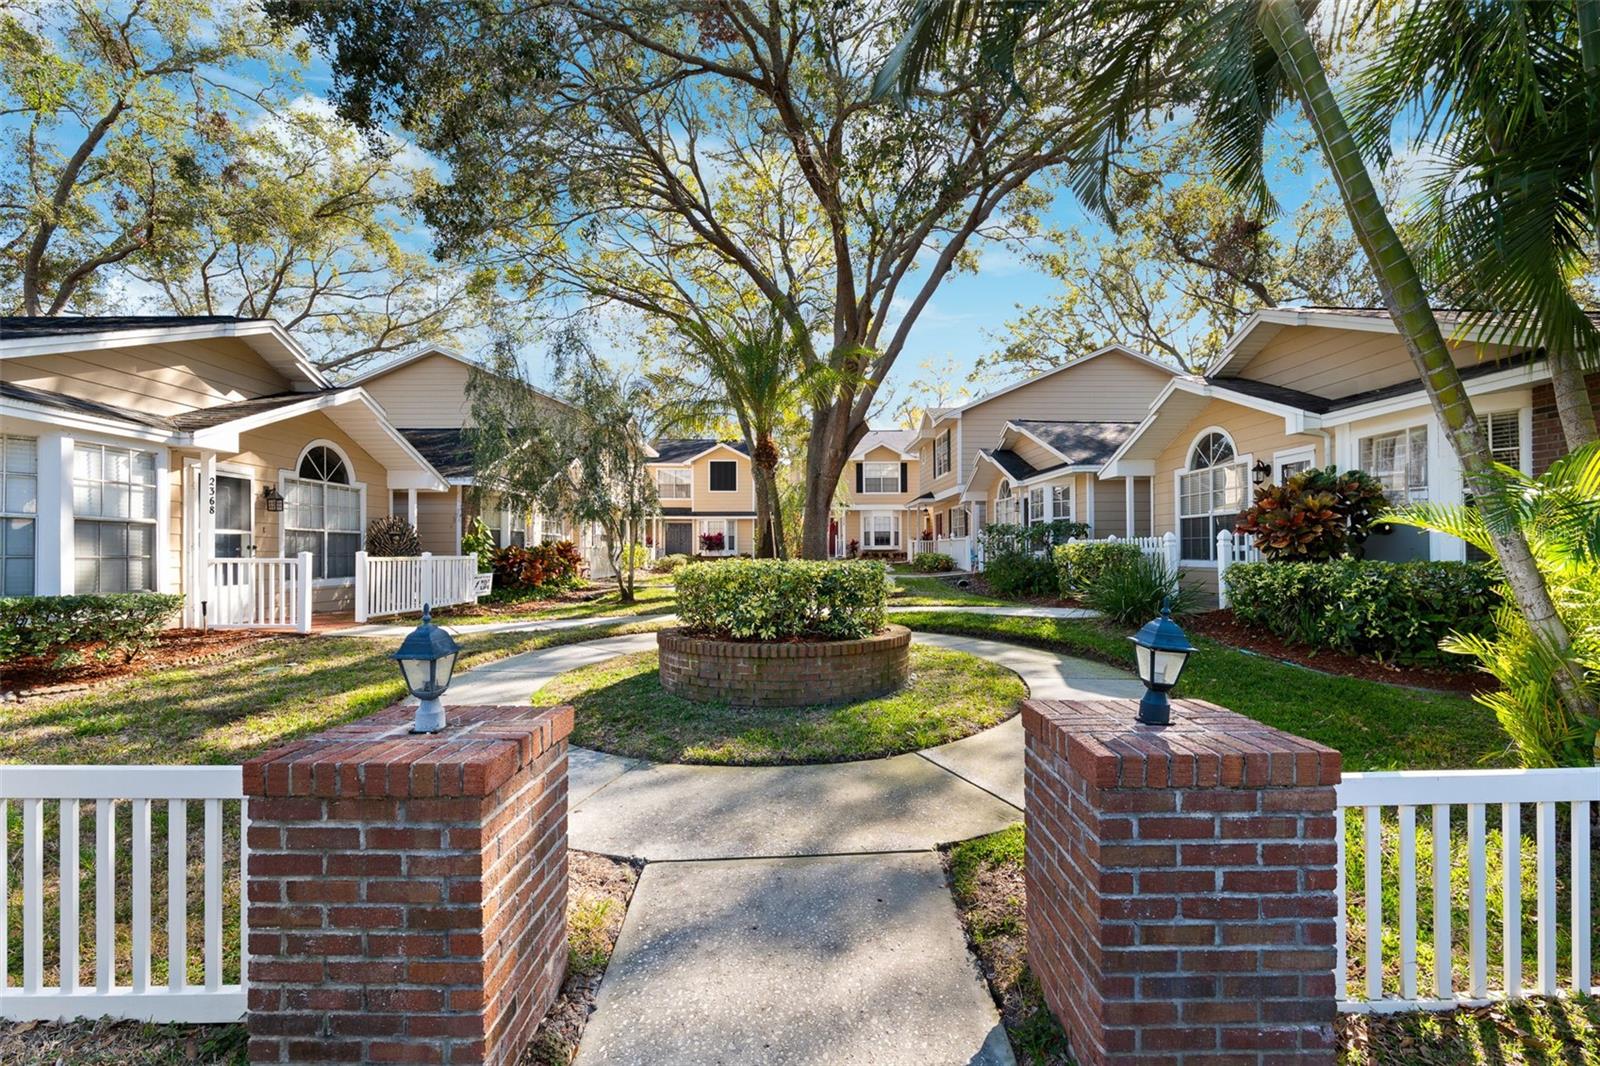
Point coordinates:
[[425, 587], [1169, 544], [302, 592], [362, 579], [1224, 557]]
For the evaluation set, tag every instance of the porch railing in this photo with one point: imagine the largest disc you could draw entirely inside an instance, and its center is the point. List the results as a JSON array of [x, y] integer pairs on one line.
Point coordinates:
[[958, 548], [1455, 843], [1232, 548], [259, 593], [1164, 547], [402, 584], [51, 987]]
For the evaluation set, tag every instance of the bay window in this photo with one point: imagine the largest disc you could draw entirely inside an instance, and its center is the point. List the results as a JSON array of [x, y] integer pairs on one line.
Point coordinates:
[[1400, 461], [1036, 505], [19, 504], [114, 518], [1211, 493], [322, 514]]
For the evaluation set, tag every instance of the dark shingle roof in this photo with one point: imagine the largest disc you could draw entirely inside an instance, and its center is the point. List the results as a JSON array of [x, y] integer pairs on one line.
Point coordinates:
[[72, 325], [206, 417], [668, 513], [447, 450], [1080, 443], [682, 450], [1016, 467], [62, 402]]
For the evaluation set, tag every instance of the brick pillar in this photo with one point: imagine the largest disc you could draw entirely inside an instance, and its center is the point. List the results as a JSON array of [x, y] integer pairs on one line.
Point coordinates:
[[408, 893], [1181, 884]]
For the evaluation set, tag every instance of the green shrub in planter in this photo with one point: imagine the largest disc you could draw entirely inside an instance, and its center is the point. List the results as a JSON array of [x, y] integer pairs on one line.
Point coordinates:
[[1021, 573], [1079, 565], [933, 563], [126, 623], [1130, 590], [779, 599], [1393, 611]]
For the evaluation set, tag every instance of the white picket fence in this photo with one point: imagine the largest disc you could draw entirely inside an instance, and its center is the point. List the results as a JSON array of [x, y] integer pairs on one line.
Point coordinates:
[[1232, 548], [1164, 547], [402, 584], [1474, 790], [259, 593], [25, 790], [958, 548]]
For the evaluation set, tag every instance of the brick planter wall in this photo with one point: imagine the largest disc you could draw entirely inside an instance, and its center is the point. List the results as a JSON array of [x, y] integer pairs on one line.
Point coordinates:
[[1180, 884], [783, 674], [408, 893]]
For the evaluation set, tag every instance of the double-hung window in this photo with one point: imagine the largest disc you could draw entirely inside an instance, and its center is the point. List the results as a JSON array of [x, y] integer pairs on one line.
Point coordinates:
[[1400, 461], [19, 504], [880, 477], [114, 518], [519, 527], [1504, 432], [880, 529], [1036, 505], [1211, 493], [1007, 508], [322, 514], [960, 524], [675, 483], [941, 454], [1061, 501]]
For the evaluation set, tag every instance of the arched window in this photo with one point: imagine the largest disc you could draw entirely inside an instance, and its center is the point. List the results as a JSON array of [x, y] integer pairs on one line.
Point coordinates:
[[322, 513], [1211, 493], [1007, 508]]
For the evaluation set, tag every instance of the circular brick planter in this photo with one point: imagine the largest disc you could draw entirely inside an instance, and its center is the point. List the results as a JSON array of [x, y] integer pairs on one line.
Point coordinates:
[[797, 674]]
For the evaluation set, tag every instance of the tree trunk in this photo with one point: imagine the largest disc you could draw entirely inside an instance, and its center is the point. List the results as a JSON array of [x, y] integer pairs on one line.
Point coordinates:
[[769, 515], [1566, 374], [1573, 406], [624, 587], [1407, 301], [832, 437]]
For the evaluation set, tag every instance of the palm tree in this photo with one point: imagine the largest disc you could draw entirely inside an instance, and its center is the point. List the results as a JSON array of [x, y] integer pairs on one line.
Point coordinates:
[[1507, 98], [1237, 63]]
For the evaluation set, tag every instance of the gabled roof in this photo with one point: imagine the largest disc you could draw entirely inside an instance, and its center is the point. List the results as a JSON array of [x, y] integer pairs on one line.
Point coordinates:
[[1015, 466], [49, 335], [426, 352], [897, 440], [674, 450], [222, 413], [1077, 443], [447, 450], [934, 414]]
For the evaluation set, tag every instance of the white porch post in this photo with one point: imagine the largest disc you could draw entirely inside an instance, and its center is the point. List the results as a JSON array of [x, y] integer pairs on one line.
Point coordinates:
[[1174, 551], [411, 507], [505, 525], [361, 594], [426, 569], [458, 491], [302, 590], [1224, 557], [207, 533], [1128, 505], [53, 533]]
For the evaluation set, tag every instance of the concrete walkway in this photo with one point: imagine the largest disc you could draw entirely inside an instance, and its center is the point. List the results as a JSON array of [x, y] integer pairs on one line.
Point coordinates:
[[795, 914]]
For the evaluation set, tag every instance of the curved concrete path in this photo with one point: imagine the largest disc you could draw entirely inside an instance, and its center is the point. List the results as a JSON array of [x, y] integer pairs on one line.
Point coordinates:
[[795, 914]]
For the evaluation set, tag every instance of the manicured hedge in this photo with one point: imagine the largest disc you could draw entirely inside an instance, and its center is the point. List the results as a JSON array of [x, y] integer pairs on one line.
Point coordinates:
[[776, 599], [125, 623], [1394, 611], [1020, 573], [1078, 566], [933, 563]]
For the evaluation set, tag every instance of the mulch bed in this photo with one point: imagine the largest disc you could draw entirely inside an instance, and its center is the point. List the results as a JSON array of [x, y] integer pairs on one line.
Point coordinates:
[[515, 609], [976, 583], [1223, 628], [25, 678]]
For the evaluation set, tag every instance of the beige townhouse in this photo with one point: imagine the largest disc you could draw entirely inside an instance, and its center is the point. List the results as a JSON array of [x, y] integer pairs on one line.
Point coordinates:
[[198, 455], [873, 513], [707, 498], [1328, 386], [1032, 452]]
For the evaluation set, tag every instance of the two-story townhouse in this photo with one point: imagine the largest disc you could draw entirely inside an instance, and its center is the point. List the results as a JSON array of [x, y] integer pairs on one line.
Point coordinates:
[[425, 396], [163, 453], [707, 498], [1294, 388], [1031, 452], [873, 512]]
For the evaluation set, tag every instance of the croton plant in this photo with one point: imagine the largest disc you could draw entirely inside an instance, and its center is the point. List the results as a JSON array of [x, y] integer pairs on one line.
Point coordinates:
[[1314, 515]]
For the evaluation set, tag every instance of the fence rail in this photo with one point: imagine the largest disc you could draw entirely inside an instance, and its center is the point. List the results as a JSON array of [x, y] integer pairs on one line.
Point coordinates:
[[27, 789], [259, 593], [1391, 842], [958, 548], [402, 584]]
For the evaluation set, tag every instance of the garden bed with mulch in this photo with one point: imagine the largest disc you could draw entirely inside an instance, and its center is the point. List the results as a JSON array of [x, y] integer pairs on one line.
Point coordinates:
[[30, 677], [1222, 627], [597, 901]]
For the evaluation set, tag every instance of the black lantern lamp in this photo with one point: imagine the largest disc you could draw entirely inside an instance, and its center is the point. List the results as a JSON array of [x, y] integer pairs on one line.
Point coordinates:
[[1161, 650], [272, 499], [427, 658], [1260, 471]]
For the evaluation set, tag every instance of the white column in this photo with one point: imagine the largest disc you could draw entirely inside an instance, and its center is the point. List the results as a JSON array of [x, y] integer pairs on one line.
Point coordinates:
[[505, 524], [1088, 502], [207, 527], [458, 492], [1128, 507], [53, 546], [411, 507], [362, 593]]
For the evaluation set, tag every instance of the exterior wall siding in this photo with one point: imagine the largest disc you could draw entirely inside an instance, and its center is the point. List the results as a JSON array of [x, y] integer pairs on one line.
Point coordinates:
[[427, 394], [154, 379], [1336, 362]]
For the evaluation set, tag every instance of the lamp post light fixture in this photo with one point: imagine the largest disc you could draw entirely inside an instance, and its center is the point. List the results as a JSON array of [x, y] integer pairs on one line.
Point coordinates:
[[1161, 650], [427, 658], [1260, 471]]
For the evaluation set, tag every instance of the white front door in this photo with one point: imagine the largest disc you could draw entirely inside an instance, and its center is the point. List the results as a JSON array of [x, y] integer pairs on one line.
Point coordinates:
[[232, 583]]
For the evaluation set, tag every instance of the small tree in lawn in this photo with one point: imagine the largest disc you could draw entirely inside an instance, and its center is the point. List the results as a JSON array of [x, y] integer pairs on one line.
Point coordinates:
[[582, 459]]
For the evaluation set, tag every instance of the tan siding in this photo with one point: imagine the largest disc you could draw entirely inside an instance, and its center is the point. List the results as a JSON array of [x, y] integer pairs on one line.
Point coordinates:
[[1254, 433], [743, 498], [436, 518], [428, 394], [158, 379], [1110, 507], [1033, 453], [1337, 362], [882, 454]]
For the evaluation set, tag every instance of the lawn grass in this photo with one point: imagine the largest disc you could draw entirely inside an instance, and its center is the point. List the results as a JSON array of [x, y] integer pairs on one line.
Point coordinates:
[[1376, 726], [907, 590], [622, 708], [655, 598]]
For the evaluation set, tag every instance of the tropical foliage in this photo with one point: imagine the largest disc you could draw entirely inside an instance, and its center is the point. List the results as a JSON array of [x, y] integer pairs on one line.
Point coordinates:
[[1020, 573], [1313, 515], [542, 569], [774, 599], [1559, 513], [477, 540], [933, 563]]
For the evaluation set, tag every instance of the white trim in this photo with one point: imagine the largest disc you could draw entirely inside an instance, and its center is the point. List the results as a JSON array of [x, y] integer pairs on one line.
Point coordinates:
[[720, 492], [1040, 441], [360, 486], [701, 455], [1292, 455], [1295, 420], [1510, 378]]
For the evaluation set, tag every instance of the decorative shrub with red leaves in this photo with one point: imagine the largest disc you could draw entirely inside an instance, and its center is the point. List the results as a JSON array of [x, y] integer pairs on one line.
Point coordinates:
[[712, 542], [1314, 515], [549, 567]]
